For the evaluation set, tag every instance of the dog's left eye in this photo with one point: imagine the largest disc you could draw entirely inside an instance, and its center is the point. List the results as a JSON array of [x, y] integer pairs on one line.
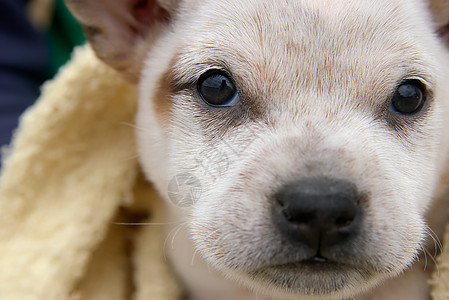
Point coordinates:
[[217, 89], [409, 97]]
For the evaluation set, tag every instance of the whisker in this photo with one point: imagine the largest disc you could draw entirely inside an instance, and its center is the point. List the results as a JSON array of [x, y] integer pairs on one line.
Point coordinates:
[[132, 157], [432, 257], [425, 257], [144, 224], [192, 262], [174, 235], [166, 239], [134, 126], [436, 240], [437, 249], [436, 264], [128, 124]]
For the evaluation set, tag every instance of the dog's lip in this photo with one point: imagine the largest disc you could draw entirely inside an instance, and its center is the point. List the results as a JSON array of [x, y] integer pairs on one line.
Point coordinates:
[[313, 262], [316, 260], [316, 263]]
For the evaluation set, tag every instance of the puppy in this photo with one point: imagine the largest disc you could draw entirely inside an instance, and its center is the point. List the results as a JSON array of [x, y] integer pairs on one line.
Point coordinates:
[[302, 142]]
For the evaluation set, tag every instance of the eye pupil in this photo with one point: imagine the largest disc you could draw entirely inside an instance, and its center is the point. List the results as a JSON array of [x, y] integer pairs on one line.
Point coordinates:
[[408, 98], [217, 89]]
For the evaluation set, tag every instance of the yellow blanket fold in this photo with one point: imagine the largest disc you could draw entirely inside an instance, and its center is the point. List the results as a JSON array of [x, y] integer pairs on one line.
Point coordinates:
[[72, 165]]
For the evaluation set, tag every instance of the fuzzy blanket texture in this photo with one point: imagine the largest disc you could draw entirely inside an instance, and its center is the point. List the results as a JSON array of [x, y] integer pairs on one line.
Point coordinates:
[[70, 180]]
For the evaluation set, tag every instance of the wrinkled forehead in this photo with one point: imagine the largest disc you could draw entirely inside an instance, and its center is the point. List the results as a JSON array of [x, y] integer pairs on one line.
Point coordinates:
[[279, 41]]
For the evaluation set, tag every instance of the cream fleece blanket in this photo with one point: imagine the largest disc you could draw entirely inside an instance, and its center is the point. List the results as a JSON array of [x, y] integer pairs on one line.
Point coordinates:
[[71, 174], [71, 177]]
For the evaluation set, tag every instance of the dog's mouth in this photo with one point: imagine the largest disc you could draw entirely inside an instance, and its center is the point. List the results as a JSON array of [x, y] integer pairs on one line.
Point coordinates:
[[317, 259], [316, 275], [315, 264]]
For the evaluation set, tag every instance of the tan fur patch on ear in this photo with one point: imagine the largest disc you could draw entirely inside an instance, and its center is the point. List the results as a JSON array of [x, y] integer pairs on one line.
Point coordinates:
[[440, 11], [122, 31], [169, 5], [131, 67]]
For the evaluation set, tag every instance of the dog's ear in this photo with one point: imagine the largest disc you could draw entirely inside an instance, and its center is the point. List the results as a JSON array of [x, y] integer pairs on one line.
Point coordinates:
[[121, 31], [440, 11]]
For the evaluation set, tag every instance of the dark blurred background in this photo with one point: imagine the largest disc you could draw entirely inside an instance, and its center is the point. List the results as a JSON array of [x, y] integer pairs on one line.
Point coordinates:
[[36, 38]]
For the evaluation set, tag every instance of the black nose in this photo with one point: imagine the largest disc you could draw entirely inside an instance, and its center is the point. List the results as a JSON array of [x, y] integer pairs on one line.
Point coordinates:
[[318, 213]]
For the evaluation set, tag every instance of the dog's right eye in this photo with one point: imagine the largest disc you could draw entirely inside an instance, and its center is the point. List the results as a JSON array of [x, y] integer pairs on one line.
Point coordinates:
[[217, 89], [409, 97]]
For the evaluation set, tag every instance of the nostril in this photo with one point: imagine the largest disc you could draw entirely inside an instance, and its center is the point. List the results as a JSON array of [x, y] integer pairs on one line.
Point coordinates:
[[299, 219], [343, 222]]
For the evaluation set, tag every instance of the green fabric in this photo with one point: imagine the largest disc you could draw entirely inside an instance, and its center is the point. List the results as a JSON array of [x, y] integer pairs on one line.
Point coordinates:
[[64, 34]]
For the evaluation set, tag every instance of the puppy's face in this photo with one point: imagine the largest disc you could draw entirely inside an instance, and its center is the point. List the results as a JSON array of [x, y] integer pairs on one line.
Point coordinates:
[[313, 131]]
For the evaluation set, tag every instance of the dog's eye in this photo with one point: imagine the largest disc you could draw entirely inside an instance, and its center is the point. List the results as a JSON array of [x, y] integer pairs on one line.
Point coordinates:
[[217, 89], [409, 97]]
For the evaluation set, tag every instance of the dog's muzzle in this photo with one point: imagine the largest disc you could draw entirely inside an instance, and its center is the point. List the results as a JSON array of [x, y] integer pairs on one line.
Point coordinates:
[[319, 215]]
